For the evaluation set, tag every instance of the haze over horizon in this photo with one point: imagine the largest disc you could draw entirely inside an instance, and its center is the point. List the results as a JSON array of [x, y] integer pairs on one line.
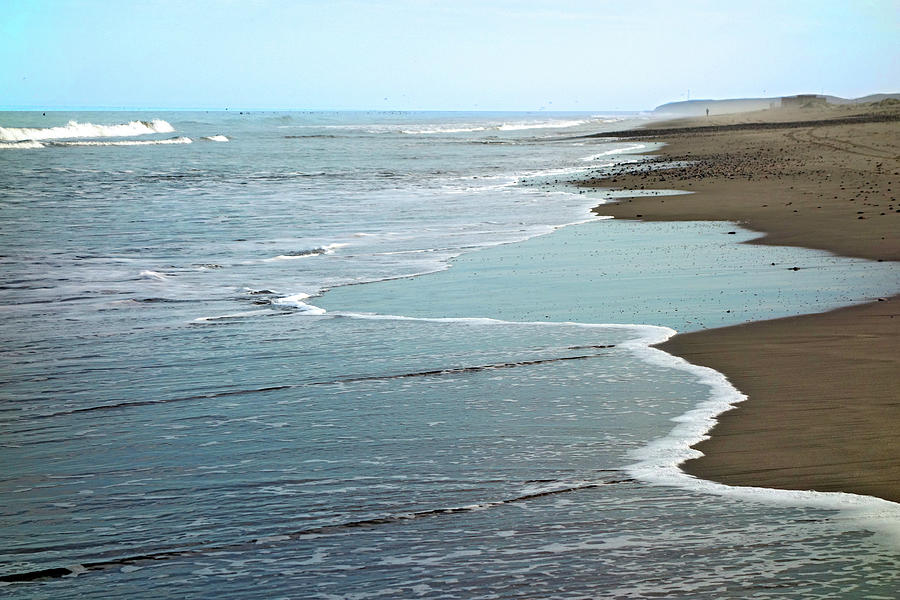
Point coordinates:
[[429, 55]]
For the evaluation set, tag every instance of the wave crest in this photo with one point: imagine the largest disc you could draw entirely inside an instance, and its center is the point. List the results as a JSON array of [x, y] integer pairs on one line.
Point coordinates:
[[329, 249], [74, 129], [296, 301], [26, 145], [174, 140]]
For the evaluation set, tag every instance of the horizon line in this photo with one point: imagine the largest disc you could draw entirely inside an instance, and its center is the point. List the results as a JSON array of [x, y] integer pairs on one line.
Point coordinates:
[[23, 108]]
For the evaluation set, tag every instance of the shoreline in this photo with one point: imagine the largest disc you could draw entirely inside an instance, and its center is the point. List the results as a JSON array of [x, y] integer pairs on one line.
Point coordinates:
[[822, 389]]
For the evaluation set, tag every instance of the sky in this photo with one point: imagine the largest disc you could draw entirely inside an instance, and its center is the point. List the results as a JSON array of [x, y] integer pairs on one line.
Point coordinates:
[[439, 54]]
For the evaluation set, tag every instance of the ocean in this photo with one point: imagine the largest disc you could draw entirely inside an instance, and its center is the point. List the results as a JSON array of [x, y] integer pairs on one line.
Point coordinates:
[[352, 355]]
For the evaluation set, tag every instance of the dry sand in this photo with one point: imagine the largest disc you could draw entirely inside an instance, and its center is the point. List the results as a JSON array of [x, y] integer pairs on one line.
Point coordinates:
[[823, 390]]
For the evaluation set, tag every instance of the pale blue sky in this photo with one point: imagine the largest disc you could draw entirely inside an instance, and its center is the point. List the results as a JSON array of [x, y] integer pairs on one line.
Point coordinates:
[[444, 55]]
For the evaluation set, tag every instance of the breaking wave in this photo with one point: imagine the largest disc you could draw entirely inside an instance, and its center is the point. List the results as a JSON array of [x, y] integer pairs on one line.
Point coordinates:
[[74, 129], [444, 130], [525, 123], [147, 274], [542, 125], [293, 255], [25, 145], [508, 126], [296, 301], [174, 140]]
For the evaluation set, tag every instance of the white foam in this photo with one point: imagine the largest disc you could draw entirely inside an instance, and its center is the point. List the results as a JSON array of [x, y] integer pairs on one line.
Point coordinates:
[[626, 150], [507, 126], [329, 249], [73, 129], [645, 335], [293, 298], [26, 145], [561, 171], [659, 461], [447, 254], [215, 138], [542, 125], [502, 126], [428, 130], [153, 275], [288, 257], [175, 140], [296, 301]]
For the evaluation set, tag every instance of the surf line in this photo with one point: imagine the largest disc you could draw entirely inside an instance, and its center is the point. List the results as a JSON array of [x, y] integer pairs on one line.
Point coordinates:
[[74, 570]]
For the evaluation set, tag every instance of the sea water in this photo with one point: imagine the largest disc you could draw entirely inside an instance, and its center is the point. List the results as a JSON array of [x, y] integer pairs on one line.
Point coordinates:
[[382, 355]]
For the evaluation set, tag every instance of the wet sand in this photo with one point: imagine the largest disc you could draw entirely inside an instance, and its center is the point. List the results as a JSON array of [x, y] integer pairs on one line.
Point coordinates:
[[823, 390]]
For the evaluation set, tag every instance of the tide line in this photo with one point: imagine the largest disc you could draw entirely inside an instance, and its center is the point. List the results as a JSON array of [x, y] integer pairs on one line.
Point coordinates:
[[659, 461]]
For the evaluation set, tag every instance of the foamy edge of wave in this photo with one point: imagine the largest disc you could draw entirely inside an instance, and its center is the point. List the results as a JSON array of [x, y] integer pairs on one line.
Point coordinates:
[[327, 249], [445, 130], [626, 150], [74, 129], [445, 262], [24, 145], [153, 275], [508, 126], [561, 124], [297, 301], [648, 335], [659, 462], [175, 140]]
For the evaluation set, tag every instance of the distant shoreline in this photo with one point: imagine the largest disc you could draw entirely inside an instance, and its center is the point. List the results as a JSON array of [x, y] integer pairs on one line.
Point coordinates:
[[822, 389], [705, 129]]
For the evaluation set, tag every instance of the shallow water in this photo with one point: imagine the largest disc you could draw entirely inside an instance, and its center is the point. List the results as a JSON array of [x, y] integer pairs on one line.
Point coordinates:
[[686, 276], [185, 409]]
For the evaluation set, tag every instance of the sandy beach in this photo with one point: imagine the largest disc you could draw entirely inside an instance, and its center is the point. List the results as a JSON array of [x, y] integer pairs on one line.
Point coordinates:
[[823, 390]]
